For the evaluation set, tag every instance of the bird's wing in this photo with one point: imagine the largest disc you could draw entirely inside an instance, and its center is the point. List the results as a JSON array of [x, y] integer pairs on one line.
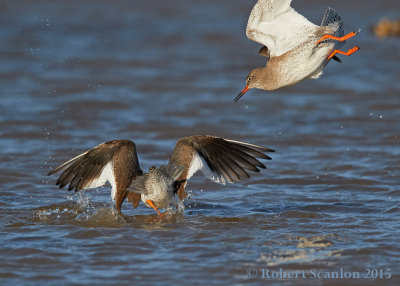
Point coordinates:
[[276, 25], [264, 52], [105, 162], [221, 160]]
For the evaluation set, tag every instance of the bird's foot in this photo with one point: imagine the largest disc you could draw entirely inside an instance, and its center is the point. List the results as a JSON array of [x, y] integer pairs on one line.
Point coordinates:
[[341, 39], [348, 53]]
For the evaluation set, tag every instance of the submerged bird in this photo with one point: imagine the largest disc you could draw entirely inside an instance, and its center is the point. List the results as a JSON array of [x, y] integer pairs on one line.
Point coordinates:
[[297, 49], [116, 161]]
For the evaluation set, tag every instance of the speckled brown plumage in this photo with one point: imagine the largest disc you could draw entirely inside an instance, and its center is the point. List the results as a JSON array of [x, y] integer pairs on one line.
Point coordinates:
[[297, 49], [222, 160]]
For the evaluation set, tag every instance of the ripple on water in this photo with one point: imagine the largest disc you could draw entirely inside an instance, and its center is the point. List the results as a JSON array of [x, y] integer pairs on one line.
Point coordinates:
[[76, 213], [330, 195]]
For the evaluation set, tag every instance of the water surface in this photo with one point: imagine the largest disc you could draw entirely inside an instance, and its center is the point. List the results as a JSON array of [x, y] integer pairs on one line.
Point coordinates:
[[78, 73]]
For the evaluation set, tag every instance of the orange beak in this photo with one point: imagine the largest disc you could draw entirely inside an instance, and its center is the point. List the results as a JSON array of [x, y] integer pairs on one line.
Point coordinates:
[[241, 93]]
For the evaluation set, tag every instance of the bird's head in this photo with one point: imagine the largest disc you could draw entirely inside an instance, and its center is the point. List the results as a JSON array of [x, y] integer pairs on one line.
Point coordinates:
[[253, 80]]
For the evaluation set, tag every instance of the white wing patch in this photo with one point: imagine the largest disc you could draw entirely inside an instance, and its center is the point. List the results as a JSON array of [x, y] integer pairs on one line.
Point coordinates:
[[106, 175], [198, 163], [278, 26]]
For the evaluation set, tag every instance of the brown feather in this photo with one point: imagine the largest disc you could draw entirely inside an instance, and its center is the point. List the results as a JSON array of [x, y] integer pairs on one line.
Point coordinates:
[[264, 52], [134, 198], [81, 171], [227, 159]]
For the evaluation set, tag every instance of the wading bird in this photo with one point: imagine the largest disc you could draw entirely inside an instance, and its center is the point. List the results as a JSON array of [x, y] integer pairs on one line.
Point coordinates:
[[116, 161], [297, 49]]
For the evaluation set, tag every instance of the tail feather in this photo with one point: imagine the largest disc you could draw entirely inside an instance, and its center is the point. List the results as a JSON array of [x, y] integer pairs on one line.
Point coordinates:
[[163, 175], [172, 170], [334, 21], [139, 185]]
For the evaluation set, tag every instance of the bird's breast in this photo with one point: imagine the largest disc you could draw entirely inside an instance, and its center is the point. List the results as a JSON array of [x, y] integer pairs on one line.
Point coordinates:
[[302, 63]]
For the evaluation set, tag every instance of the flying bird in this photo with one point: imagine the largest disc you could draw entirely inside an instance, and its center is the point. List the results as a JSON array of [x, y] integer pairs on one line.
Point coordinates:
[[297, 49], [116, 162]]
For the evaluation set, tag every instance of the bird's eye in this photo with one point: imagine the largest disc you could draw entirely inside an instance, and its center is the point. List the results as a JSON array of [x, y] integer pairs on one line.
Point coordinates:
[[249, 78]]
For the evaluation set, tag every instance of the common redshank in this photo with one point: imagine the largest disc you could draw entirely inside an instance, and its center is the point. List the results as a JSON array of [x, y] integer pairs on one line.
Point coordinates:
[[297, 49], [116, 161]]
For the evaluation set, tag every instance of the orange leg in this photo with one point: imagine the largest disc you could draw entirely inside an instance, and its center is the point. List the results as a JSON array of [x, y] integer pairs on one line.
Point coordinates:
[[341, 39], [348, 53], [150, 202]]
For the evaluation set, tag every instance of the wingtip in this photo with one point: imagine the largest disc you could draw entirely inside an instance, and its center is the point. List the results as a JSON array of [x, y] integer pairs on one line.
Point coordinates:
[[51, 172]]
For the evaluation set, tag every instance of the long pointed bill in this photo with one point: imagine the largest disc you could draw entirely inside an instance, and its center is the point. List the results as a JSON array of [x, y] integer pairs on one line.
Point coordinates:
[[241, 93], [150, 202]]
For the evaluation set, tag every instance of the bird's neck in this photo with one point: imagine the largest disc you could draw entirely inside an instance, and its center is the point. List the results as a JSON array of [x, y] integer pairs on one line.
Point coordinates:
[[267, 78]]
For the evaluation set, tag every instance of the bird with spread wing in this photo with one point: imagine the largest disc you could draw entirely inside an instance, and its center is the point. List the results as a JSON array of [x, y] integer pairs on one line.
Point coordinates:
[[116, 162]]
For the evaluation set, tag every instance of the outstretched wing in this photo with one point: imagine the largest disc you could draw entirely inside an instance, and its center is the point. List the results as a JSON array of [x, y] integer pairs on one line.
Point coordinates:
[[276, 25], [113, 161], [221, 160]]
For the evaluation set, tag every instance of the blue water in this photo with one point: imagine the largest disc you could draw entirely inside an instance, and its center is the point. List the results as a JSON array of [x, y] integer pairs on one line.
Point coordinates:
[[75, 74]]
